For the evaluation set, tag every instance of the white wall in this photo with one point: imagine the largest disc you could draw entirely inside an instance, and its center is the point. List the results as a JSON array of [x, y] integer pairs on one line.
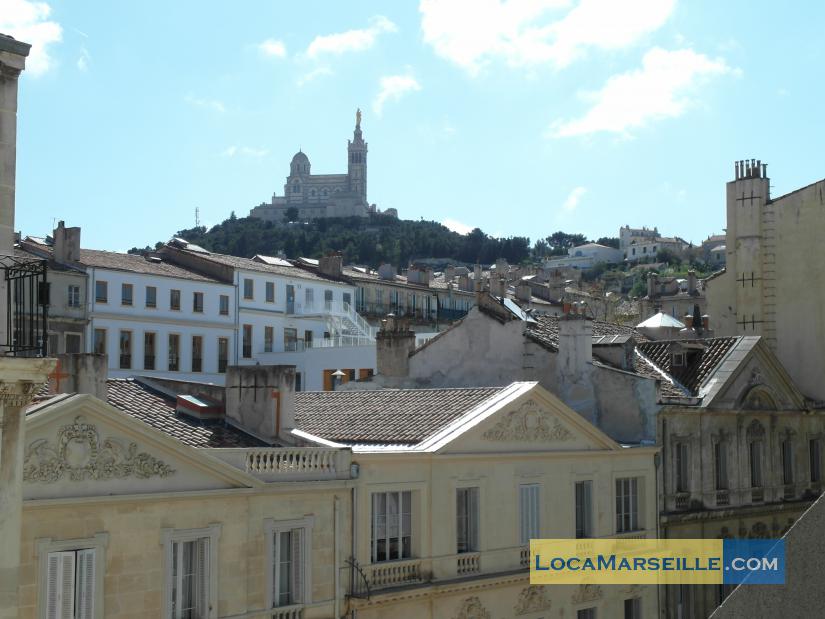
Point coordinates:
[[312, 362]]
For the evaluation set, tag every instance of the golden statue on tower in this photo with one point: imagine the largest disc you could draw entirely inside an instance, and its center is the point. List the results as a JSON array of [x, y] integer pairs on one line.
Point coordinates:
[[358, 118]]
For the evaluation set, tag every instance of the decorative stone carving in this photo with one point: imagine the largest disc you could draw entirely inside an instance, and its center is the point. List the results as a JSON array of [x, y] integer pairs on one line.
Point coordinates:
[[79, 453], [17, 393], [472, 608], [587, 593], [532, 599], [758, 398], [528, 423], [755, 429], [756, 377]]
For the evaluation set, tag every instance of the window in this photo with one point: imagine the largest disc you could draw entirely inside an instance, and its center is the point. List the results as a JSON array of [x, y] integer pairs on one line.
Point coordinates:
[[149, 350], [467, 519], [679, 359], [391, 526], [681, 467], [309, 301], [191, 580], [100, 342], [347, 299], [126, 293], [174, 299], [197, 353], [529, 510], [633, 608], [586, 613], [247, 341], [327, 300], [248, 289], [101, 292], [755, 453], [269, 335], [584, 509], [125, 350], [73, 342], [151, 296], [223, 354], [174, 352], [290, 339], [627, 504], [223, 308], [197, 302], [73, 296], [307, 339], [290, 550], [720, 457], [787, 461], [72, 577], [270, 292], [815, 451]]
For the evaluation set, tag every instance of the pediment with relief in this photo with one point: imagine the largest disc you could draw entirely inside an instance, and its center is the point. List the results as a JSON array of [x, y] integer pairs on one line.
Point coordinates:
[[529, 423]]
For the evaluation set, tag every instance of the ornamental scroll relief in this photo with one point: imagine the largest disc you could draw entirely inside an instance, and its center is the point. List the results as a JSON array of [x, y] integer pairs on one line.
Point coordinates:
[[532, 599], [472, 608], [80, 454], [528, 423]]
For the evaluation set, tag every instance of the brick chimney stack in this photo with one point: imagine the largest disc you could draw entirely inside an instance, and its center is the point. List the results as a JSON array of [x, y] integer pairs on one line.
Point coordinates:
[[394, 343]]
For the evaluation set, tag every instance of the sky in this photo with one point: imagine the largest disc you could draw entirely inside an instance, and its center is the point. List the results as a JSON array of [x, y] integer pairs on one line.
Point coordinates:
[[520, 117]]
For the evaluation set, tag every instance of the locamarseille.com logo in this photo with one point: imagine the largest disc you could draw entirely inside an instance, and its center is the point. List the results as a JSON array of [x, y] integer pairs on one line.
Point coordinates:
[[657, 561]]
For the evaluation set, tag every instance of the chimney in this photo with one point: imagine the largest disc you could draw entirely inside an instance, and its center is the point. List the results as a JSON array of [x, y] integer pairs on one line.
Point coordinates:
[[261, 400], [81, 373], [449, 273], [394, 342], [498, 285], [573, 364], [464, 283], [688, 320], [705, 323], [66, 244], [652, 284], [691, 277], [502, 267], [477, 277], [386, 271], [332, 265], [523, 291]]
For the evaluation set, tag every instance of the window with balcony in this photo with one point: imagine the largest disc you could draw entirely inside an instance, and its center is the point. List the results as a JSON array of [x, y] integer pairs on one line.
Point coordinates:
[[151, 296], [290, 550], [73, 296], [247, 342], [720, 468], [197, 353], [815, 457], [584, 509], [125, 350], [174, 352], [223, 354], [269, 337], [681, 453], [270, 292], [308, 339], [290, 339], [223, 305], [99, 344], [191, 578], [467, 519], [248, 288], [529, 513], [627, 504], [197, 302], [126, 294], [149, 351], [755, 457], [391, 532], [101, 292], [174, 299]]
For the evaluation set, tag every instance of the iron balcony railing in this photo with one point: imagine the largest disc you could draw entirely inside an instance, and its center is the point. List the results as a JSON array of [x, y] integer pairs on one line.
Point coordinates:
[[27, 306]]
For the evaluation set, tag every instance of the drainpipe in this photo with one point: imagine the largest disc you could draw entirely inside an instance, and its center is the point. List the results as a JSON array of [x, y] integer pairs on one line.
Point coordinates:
[[336, 506]]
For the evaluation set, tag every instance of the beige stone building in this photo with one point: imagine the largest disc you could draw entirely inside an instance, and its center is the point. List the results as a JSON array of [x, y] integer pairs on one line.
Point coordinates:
[[774, 284]]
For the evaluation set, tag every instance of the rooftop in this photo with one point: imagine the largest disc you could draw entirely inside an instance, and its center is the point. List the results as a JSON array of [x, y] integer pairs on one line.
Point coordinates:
[[702, 360], [545, 331]]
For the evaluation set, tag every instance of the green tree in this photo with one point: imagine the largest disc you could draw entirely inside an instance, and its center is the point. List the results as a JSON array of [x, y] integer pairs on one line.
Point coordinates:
[[292, 213]]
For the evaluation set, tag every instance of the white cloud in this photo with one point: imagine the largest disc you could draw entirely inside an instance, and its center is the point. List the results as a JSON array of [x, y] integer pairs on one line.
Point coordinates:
[[393, 87], [457, 226], [83, 60], [273, 48], [661, 88], [247, 151], [212, 104], [29, 22], [472, 33], [573, 199], [314, 75], [351, 40]]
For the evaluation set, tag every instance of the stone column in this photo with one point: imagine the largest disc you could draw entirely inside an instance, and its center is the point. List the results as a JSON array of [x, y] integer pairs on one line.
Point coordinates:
[[19, 381]]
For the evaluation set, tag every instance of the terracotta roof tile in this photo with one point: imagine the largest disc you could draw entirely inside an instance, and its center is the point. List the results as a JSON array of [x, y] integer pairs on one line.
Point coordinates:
[[545, 331], [158, 411], [387, 416], [701, 363]]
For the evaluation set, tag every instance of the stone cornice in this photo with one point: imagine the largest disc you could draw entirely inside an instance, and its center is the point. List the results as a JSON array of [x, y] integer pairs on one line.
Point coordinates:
[[12, 45]]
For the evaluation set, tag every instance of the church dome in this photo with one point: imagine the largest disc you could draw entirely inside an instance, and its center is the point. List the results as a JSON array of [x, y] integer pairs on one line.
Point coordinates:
[[300, 157], [300, 164]]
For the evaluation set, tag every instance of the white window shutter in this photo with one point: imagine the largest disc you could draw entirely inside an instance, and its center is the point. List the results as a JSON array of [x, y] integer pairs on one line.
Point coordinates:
[[86, 584], [474, 519], [297, 539], [60, 585], [202, 579], [53, 585]]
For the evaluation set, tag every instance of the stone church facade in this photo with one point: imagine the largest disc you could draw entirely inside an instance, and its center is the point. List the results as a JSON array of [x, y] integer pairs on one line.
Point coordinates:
[[317, 196]]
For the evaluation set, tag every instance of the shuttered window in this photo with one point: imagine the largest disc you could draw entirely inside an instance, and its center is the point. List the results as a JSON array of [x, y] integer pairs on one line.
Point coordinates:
[[289, 562], [70, 584], [467, 519], [584, 509], [190, 579], [529, 511]]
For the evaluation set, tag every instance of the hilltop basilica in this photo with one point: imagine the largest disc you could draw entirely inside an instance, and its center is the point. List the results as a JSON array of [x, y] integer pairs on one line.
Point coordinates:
[[324, 195]]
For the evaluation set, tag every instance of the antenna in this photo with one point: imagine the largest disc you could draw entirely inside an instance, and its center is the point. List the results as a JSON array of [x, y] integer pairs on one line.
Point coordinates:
[[197, 217]]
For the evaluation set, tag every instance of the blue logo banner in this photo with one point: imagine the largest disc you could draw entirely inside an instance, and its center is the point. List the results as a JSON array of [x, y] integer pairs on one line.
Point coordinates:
[[753, 561]]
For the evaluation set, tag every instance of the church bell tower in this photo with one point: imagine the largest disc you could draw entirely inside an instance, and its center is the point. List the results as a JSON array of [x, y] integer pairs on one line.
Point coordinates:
[[357, 161]]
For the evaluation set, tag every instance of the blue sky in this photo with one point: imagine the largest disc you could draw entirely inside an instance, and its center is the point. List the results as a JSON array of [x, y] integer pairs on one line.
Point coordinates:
[[520, 117]]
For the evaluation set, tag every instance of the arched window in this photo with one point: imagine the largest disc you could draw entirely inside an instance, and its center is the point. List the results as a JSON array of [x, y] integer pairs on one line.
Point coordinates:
[[296, 187]]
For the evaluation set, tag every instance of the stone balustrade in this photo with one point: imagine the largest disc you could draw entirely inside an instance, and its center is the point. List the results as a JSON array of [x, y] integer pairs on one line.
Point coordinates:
[[394, 573], [468, 563], [289, 463]]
